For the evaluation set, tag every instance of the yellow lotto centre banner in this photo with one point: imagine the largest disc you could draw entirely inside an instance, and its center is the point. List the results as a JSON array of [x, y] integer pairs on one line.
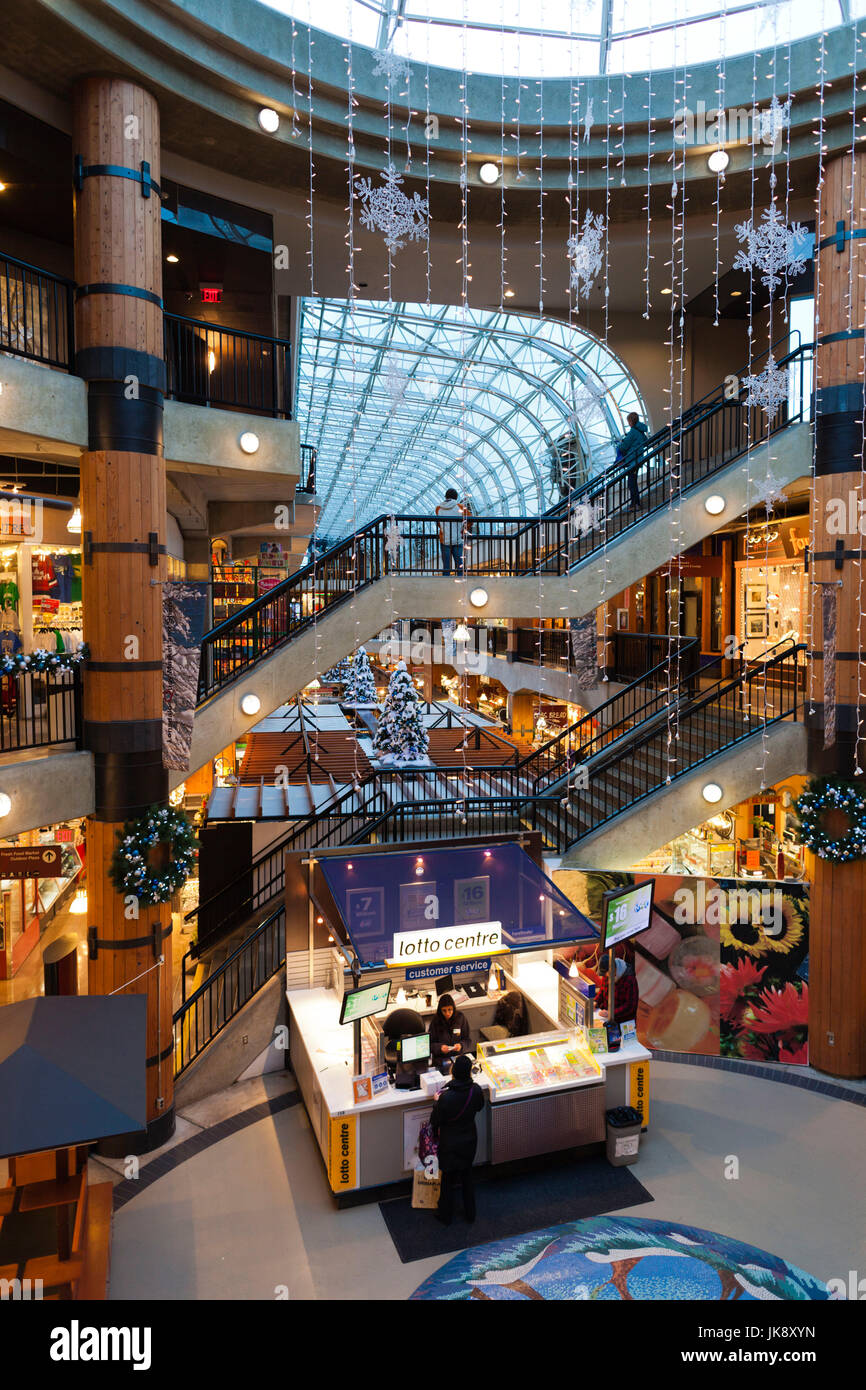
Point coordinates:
[[639, 1087], [343, 1153]]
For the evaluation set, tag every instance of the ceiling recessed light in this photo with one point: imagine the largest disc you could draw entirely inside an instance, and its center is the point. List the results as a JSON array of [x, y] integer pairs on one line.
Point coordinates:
[[718, 161], [269, 120], [172, 259], [735, 294], [509, 294], [2, 188], [489, 173], [667, 291]]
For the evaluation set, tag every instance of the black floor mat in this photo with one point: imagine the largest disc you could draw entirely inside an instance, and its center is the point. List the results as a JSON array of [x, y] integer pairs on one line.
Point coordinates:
[[514, 1204]]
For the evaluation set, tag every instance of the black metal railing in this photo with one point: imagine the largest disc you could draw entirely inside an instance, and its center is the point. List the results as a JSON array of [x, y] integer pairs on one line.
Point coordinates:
[[207, 364], [40, 708], [36, 314], [308, 469], [238, 901], [735, 709], [214, 1004], [634, 654], [693, 426], [713, 437]]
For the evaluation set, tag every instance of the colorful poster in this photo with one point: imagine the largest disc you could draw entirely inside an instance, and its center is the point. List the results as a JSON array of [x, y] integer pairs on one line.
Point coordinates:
[[183, 617], [723, 967]]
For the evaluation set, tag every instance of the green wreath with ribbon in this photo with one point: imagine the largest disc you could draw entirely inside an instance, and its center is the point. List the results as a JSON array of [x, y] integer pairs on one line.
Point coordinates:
[[822, 795], [131, 871]]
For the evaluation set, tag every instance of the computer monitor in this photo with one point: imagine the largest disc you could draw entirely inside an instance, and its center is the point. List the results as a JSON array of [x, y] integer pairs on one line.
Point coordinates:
[[416, 1049], [444, 984], [626, 912], [369, 999]]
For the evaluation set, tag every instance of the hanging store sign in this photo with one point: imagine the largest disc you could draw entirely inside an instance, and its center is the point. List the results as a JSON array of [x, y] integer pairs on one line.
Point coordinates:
[[31, 861], [446, 943]]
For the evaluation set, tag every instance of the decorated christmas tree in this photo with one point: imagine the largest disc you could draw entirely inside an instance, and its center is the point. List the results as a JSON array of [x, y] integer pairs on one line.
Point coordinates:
[[339, 674], [360, 687], [400, 734]]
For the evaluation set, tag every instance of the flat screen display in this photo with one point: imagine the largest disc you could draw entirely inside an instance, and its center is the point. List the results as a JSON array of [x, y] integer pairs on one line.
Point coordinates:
[[626, 913], [361, 1003], [415, 1049]]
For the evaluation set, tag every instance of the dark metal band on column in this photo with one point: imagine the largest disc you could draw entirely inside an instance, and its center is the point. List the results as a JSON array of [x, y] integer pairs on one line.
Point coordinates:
[[839, 429], [128, 771]]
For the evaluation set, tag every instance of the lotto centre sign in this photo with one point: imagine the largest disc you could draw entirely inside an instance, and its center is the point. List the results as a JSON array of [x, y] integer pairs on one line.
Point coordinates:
[[449, 943]]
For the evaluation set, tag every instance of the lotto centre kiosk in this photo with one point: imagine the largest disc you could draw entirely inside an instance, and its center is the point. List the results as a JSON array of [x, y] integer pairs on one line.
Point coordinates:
[[478, 923]]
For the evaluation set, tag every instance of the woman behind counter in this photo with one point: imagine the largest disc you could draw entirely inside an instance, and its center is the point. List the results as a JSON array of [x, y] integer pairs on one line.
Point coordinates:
[[453, 1124], [449, 1033]]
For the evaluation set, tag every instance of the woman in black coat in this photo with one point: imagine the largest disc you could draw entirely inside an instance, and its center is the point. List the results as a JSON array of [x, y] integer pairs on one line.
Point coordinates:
[[453, 1124], [449, 1033]]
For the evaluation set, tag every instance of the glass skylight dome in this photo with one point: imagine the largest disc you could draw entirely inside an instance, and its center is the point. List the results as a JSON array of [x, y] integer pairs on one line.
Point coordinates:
[[403, 400], [564, 38]]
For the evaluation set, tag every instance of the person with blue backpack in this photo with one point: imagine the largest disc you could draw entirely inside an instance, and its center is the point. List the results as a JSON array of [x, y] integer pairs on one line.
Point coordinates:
[[630, 450]]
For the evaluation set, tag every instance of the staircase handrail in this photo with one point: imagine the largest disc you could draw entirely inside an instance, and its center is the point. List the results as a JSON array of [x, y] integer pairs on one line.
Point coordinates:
[[695, 413]]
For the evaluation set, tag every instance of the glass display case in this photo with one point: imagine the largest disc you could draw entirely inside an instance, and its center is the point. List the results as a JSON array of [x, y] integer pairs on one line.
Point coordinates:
[[538, 1064]]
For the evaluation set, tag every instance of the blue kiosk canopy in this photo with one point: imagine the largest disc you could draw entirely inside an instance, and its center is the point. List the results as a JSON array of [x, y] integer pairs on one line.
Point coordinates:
[[380, 895]]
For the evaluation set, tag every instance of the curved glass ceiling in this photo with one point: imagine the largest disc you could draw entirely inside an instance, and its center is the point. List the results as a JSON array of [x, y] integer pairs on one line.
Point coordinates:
[[563, 38], [402, 401]]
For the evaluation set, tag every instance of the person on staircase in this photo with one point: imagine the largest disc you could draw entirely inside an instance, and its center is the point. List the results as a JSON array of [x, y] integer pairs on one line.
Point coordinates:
[[630, 451], [452, 525]]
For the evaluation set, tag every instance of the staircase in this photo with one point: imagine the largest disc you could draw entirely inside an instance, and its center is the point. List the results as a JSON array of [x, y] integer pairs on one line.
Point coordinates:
[[630, 765], [561, 561]]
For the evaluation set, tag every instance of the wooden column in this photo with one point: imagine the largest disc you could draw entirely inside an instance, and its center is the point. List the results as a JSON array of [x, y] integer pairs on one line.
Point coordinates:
[[119, 338], [837, 976]]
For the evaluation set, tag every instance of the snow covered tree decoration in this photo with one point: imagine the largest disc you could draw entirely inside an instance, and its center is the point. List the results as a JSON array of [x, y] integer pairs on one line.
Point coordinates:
[[768, 389], [584, 253], [388, 210], [400, 734], [361, 688], [771, 247]]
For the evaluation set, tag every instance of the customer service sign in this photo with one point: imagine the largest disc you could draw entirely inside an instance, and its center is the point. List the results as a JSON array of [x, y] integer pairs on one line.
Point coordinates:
[[447, 943]]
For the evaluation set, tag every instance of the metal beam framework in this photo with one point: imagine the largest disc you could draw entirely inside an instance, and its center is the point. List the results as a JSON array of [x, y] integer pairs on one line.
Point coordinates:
[[402, 400], [597, 36]]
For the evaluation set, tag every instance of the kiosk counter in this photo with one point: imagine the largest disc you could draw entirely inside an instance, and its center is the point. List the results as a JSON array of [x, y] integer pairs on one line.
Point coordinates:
[[544, 1091]]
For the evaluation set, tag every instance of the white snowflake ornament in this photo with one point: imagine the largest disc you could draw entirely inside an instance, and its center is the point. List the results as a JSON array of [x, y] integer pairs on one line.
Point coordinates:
[[584, 253], [387, 210], [584, 517], [768, 389], [770, 247], [392, 66], [773, 121], [393, 539], [770, 492]]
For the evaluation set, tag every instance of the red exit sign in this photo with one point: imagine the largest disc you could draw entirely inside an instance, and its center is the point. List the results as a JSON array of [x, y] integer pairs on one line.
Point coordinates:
[[211, 294]]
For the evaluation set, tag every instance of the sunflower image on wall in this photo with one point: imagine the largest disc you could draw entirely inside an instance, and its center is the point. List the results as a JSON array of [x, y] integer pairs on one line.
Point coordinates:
[[763, 984]]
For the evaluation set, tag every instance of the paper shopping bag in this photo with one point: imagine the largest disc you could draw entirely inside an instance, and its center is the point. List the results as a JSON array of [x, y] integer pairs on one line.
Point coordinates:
[[425, 1191]]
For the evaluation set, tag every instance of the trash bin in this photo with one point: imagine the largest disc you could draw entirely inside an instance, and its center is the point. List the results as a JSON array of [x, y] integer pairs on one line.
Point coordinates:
[[623, 1135]]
